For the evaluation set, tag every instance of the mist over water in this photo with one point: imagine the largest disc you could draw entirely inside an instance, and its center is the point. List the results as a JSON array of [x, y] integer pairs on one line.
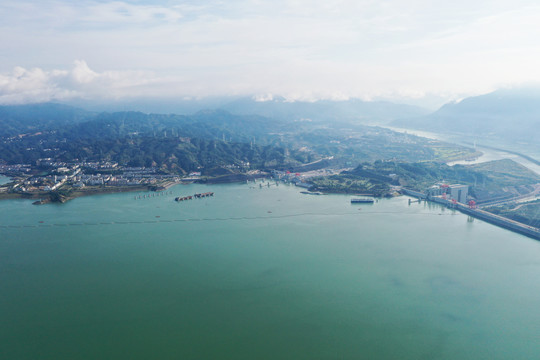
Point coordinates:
[[262, 273]]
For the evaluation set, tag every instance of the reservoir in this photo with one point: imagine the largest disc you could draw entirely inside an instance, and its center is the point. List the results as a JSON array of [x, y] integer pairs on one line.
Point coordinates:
[[262, 273]]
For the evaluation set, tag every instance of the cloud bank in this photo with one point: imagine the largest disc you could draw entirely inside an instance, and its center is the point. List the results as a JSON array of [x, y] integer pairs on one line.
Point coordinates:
[[298, 49], [37, 85]]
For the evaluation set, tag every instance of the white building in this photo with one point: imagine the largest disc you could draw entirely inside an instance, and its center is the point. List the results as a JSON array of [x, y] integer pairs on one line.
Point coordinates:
[[459, 193]]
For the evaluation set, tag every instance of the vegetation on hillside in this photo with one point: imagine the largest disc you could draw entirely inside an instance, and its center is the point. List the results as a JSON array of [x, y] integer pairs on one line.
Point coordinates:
[[205, 140], [350, 184], [527, 213], [503, 178]]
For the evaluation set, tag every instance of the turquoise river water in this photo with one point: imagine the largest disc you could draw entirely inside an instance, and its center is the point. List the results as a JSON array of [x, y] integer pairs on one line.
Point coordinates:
[[265, 273], [4, 179]]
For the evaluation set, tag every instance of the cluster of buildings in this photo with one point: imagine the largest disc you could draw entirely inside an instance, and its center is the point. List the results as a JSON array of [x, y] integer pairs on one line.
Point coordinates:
[[17, 168], [126, 179], [73, 174], [59, 165]]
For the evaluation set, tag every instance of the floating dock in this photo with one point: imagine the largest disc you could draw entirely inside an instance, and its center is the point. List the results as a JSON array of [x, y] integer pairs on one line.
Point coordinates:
[[194, 196], [183, 198]]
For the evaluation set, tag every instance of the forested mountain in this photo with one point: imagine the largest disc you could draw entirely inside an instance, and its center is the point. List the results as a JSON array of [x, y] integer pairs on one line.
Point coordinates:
[[181, 143], [173, 142]]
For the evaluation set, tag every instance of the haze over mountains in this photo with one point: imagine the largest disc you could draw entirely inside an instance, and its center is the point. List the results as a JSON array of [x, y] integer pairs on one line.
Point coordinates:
[[275, 107], [206, 139], [365, 112], [509, 114]]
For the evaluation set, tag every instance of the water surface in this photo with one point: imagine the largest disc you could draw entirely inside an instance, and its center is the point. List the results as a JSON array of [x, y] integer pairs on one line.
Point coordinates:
[[262, 274], [4, 179]]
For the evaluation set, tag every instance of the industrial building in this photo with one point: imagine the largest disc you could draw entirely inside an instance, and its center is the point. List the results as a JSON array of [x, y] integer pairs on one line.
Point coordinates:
[[455, 192], [459, 193]]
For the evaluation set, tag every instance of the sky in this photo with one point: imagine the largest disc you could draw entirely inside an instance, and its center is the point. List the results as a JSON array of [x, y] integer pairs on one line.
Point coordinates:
[[413, 51]]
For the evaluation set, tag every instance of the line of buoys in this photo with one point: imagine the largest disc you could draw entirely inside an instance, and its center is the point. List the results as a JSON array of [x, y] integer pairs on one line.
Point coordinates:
[[42, 224], [161, 193]]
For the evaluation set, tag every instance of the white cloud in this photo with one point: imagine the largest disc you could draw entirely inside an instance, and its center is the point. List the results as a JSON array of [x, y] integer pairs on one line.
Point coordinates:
[[37, 85], [296, 48]]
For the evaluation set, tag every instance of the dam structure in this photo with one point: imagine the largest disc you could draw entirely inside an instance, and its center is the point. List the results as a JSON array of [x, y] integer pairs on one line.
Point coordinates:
[[486, 216]]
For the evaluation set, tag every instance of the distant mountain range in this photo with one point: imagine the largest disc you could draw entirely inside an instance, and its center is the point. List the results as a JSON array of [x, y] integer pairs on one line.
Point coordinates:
[[353, 110], [509, 115], [204, 139], [513, 115], [16, 119]]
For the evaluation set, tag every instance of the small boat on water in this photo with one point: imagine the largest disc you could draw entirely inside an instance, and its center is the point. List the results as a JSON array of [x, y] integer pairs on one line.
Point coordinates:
[[362, 201]]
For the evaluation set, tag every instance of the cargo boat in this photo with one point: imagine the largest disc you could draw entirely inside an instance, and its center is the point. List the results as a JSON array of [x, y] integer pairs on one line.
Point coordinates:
[[362, 201]]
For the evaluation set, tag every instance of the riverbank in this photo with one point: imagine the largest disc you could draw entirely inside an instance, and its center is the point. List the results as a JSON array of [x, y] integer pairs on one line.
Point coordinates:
[[67, 193], [45, 197], [524, 156], [232, 178], [489, 151]]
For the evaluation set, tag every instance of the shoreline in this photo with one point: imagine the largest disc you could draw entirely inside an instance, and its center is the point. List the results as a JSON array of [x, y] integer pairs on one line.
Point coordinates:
[[43, 197], [55, 197], [46, 197]]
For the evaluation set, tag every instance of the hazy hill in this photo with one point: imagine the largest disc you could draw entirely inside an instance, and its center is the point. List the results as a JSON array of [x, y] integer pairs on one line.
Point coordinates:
[[353, 110], [20, 119], [208, 124], [367, 112], [507, 114], [56, 131], [174, 143]]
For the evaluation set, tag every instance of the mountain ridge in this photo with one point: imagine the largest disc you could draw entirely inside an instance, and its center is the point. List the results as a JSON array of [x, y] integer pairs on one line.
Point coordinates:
[[510, 114]]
